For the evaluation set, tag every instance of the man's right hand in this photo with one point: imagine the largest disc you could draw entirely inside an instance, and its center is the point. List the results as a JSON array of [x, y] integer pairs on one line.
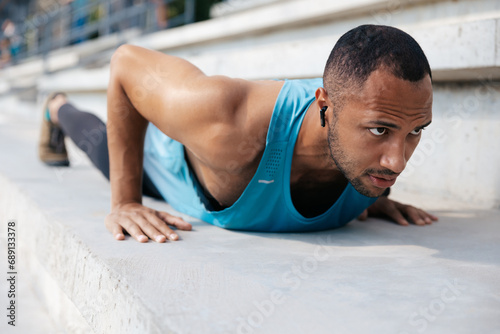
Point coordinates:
[[142, 223]]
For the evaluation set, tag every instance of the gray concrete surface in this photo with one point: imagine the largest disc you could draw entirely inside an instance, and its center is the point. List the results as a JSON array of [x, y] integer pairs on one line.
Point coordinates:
[[32, 314], [368, 277]]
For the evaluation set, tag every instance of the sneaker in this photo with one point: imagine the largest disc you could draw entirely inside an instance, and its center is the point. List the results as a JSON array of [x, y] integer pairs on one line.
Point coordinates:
[[51, 148]]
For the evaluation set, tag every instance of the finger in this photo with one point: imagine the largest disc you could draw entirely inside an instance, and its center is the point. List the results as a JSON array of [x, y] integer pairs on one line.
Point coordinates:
[[363, 216], [395, 214], [162, 227], [131, 225], [426, 217], [178, 222], [115, 229], [150, 225], [431, 216], [414, 215]]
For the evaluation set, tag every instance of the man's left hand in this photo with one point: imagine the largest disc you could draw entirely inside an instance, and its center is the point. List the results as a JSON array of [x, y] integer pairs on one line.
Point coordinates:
[[400, 213]]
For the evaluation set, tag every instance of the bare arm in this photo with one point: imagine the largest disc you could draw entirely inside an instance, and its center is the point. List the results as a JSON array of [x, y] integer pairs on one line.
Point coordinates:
[[148, 86]]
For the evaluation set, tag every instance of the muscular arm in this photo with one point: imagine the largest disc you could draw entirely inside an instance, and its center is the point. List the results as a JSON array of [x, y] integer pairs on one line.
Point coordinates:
[[126, 128], [147, 86]]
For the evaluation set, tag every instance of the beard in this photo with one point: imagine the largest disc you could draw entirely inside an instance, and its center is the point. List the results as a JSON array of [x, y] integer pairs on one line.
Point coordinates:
[[348, 166]]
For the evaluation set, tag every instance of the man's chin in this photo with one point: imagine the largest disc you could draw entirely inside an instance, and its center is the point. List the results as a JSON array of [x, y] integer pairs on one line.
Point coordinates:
[[372, 194], [367, 190]]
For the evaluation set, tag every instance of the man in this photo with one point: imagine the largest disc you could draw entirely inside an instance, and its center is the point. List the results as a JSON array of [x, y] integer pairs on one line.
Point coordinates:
[[295, 155]]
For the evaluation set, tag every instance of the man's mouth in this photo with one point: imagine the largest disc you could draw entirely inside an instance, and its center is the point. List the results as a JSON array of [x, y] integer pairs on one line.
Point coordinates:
[[382, 181]]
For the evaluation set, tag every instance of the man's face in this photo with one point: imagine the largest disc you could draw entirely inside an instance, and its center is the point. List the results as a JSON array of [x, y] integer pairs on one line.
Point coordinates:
[[372, 138]]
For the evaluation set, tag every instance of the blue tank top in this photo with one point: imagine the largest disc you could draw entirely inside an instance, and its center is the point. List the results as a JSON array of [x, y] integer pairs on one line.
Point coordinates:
[[265, 204]]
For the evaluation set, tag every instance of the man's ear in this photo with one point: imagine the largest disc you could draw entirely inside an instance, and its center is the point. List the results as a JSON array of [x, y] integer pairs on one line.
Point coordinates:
[[322, 97], [324, 103]]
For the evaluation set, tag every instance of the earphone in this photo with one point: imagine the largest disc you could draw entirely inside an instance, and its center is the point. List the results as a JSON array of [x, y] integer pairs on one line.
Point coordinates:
[[322, 115]]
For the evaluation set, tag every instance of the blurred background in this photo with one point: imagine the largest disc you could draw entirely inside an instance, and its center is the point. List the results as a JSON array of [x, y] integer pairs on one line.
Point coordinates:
[[34, 27]]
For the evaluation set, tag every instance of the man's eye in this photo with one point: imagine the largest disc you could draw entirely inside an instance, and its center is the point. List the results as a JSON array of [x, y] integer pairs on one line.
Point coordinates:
[[378, 131], [416, 132]]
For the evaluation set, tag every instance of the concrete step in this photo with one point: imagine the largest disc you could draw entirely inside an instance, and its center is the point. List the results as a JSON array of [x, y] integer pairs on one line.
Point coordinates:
[[32, 315], [460, 38], [366, 277]]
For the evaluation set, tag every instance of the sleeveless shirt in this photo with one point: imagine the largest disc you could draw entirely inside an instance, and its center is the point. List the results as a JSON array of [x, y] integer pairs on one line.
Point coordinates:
[[266, 203]]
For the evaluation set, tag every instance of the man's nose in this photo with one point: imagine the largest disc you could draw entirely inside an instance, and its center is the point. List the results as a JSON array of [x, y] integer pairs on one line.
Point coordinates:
[[394, 157]]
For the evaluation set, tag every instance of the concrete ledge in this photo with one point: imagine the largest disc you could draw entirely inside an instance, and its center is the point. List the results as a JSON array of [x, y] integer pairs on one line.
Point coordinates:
[[25, 75], [442, 278], [459, 39], [38, 290], [462, 58], [461, 42], [76, 80], [263, 19]]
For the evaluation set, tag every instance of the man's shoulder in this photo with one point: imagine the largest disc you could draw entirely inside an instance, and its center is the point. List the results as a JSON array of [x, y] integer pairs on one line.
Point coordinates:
[[309, 85], [238, 122]]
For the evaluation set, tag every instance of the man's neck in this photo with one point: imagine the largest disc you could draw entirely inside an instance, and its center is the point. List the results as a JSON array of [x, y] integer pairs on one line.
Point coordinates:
[[311, 152], [315, 181]]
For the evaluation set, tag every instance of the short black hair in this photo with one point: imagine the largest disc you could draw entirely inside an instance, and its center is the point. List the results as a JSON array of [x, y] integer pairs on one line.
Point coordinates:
[[365, 49]]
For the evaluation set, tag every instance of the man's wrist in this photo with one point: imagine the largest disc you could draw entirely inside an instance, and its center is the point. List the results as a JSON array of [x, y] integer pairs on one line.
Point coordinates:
[[120, 204]]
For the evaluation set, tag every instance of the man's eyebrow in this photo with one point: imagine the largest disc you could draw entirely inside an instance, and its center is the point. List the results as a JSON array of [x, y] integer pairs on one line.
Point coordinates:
[[425, 125], [385, 124], [397, 127]]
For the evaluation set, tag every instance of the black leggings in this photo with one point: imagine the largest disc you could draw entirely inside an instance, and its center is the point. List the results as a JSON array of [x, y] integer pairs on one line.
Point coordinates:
[[88, 132]]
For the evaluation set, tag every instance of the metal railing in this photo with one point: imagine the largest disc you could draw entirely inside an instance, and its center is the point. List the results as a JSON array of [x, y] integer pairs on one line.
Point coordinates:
[[65, 24]]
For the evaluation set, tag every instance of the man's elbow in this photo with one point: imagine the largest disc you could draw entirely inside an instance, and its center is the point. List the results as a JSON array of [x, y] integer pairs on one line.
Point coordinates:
[[119, 58]]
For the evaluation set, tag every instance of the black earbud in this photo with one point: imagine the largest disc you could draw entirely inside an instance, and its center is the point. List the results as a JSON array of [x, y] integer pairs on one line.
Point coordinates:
[[322, 115]]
